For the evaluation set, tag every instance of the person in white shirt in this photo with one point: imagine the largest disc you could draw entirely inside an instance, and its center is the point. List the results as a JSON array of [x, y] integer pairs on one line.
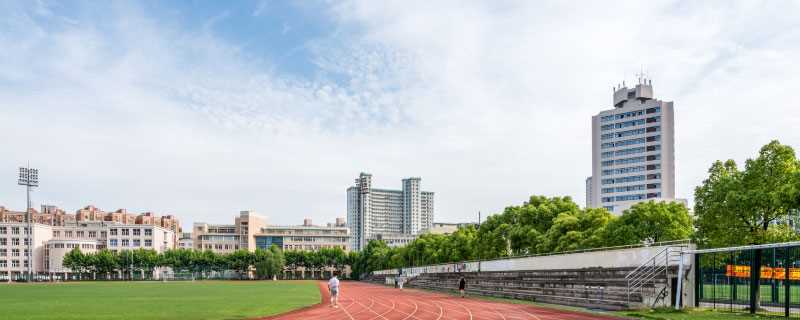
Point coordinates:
[[333, 287]]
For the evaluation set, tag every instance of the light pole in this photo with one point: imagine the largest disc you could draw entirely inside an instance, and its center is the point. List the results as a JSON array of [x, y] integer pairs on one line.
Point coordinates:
[[29, 178]]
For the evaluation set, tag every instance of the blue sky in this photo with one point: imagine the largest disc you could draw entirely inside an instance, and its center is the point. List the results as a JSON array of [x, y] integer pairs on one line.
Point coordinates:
[[205, 108]]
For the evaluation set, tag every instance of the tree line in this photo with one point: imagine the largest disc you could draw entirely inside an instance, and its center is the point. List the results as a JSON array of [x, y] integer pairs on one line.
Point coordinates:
[[756, 205], [260, 264]]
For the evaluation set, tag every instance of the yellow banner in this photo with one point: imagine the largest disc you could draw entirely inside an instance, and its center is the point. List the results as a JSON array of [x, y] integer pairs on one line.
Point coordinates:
[[766, 272]]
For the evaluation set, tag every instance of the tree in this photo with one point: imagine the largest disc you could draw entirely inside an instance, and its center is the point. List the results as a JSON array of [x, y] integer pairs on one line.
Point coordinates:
[[649, 222], [125, 262], [580, 229], [744, 207], [278, 260], [263, 264], [75, 261], [147, 260], [105, 262], [736, 207], [240, 261]]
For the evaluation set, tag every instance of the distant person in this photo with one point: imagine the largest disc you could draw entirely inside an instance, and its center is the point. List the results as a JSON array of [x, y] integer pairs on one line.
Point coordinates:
[[400, 282], [462, 285], [333, 287]]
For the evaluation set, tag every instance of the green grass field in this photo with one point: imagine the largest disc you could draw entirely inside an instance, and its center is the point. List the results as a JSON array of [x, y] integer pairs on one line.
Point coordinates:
[[688, 315], [722, 292], [155, 300]]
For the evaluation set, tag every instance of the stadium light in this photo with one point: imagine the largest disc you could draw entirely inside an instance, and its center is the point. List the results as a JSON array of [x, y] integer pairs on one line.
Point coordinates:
[[29, 178]]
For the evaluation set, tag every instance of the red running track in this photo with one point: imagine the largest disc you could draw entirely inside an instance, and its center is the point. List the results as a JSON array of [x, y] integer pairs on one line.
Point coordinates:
[[363, 301]]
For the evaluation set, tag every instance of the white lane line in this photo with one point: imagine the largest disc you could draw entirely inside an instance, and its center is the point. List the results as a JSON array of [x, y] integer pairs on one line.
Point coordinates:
[[387, 311], [353, 301], [373, 311], [398, 310], [465, 308], [499, 314], [372, 303], [441, 310], [416, 307]]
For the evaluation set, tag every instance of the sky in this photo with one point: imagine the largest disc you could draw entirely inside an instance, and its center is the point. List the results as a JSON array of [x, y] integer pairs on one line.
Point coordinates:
[[205, 108]]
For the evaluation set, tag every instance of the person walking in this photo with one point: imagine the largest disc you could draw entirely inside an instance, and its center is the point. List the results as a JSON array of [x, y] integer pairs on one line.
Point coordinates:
[[333, 287], [462, 285]]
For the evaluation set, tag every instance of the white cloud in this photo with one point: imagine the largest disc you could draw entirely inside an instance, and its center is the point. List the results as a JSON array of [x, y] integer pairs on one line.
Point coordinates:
[[488, 103]]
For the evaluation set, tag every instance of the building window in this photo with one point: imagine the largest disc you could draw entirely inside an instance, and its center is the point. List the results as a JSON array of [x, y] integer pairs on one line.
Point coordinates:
[[113, 232], [92, 234], [137, 243], [112, 243], [14, 241], [3, 230], [27, 241], [3, 241], [68, 234], [149, 243], [148, 232], [654, 157], [25, 264], [3, 252], [653, 110], [125, 242], [137, 232], [654, 138], [126, 232], [81, 234], [15, 252], [15, 263], [15, 230], [3, 264]]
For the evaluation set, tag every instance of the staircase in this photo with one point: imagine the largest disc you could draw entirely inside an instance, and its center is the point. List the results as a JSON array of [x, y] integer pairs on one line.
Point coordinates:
[[650, 283]]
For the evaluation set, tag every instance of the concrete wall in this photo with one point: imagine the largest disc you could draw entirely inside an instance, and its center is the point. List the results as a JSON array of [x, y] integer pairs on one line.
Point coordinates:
[[620, 258]]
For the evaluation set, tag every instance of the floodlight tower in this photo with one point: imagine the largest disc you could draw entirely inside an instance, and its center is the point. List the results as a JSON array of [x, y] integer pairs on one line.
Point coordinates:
[[29, 178]]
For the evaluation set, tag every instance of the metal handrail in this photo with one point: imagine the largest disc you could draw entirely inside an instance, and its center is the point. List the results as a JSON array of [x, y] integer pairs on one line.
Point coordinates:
[[650, 269]]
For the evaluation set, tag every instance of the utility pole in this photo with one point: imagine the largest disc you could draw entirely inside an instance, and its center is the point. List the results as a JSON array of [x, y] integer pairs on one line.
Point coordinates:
[[479, 232], [29, 178]]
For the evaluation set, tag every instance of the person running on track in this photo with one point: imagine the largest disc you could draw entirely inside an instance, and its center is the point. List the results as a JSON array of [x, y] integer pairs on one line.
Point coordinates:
[[462, 285], [333, 287]]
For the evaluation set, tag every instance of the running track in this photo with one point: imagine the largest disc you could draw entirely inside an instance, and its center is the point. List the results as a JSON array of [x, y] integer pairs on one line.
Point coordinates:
[[363, 301]]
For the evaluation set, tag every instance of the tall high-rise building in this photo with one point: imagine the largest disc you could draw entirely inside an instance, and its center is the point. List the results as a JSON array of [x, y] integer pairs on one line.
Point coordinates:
[[633, 150], [374, 213]]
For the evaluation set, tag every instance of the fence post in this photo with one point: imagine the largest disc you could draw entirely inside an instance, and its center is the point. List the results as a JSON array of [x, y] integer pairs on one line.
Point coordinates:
[[678, 291], [755, 281], [787, 296], [698, 281]]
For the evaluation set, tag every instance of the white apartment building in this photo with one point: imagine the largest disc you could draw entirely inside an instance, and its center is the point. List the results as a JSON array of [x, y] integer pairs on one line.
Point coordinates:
[[185, 241], [392, 214], [633, 150]]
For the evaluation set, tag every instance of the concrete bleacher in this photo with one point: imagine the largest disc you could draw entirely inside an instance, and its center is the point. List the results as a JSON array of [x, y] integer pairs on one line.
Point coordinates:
[[600, 288], [615, 278]]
